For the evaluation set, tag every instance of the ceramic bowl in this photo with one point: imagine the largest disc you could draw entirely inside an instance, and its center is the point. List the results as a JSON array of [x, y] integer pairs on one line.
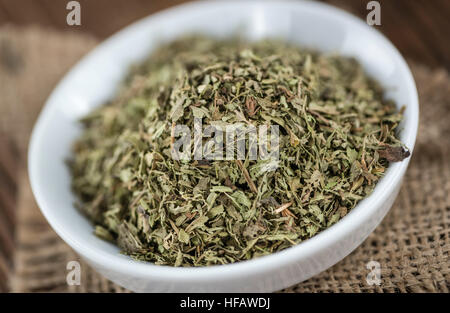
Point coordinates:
[[95, 78]]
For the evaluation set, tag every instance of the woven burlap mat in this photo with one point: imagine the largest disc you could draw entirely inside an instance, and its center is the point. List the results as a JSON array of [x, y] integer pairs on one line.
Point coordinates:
[[412, 244]]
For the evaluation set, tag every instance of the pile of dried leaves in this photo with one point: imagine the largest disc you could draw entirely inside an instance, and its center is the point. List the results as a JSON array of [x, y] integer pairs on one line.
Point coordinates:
[[337, 135]]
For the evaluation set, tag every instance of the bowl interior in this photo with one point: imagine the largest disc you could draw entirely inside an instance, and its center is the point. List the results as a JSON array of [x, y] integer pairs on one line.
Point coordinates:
[[95, 78]]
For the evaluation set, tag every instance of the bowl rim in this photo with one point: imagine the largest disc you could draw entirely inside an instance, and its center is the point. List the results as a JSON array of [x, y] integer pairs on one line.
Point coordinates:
[[303, 250]]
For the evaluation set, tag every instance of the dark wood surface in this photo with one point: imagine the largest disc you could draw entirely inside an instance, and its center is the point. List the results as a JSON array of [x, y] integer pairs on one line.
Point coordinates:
[[419, 29]]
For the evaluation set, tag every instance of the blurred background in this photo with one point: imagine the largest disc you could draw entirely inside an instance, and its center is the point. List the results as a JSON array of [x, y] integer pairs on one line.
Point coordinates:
[[418, 28]]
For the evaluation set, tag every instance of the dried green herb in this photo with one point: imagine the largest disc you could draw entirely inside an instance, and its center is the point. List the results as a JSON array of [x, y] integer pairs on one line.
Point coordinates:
[[337, 137]]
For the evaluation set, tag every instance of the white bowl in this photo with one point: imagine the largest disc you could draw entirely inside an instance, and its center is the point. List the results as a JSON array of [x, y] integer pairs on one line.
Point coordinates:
[[95, 78]]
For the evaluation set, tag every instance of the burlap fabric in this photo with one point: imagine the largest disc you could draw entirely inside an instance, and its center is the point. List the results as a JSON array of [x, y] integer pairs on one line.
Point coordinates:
[[412, 244]]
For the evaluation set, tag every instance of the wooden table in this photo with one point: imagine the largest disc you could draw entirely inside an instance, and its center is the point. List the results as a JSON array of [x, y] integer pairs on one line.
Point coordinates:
[[419, 28]]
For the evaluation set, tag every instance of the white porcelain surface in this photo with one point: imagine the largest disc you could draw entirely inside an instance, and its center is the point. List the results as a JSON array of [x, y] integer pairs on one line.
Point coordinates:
[[95, 78]]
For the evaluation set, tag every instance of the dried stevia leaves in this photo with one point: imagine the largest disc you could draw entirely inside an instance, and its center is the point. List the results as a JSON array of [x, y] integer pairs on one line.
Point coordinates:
[[337, 135]]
